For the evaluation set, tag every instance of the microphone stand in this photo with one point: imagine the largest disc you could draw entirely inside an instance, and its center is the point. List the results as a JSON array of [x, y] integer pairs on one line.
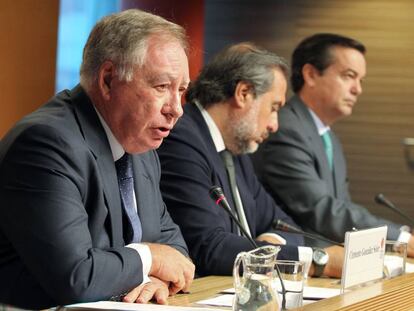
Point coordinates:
[[312, 236], [382, 200], [285, 227]]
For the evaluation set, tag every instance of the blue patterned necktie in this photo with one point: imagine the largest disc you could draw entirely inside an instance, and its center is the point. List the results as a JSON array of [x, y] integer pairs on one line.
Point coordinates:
[[327, 142], [126, 188]]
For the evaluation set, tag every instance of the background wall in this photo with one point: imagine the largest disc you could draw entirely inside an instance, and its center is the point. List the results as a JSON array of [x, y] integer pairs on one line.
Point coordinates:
[[189, 14], [28, 36], [28, 44], [384, 114], [371, 136]]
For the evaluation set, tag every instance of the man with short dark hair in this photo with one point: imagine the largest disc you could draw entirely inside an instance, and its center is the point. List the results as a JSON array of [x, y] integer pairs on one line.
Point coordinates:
[[231, 109], [81, 217], [303, 165]]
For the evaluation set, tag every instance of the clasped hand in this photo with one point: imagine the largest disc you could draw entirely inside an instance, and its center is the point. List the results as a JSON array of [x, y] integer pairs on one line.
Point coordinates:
[[170, 272]]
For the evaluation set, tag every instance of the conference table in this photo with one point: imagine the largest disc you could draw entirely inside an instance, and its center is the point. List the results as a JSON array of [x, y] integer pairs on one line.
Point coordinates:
[[393, 294]]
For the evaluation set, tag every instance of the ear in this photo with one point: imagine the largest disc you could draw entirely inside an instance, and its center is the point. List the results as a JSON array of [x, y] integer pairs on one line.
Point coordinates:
[[310, 73], [106, 75], [242, 93]]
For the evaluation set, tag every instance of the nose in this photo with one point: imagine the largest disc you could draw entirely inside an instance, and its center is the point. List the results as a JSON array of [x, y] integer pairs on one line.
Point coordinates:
[[174, 107], [273, 124], [357, 88]]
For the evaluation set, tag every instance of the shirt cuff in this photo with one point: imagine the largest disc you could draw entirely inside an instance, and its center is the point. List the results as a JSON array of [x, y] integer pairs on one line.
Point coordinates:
[[305, 256], [274, 235], [146, 259], [404, 236]]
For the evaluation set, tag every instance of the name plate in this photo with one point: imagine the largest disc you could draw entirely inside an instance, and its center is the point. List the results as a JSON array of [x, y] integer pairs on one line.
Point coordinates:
[[364, 256]]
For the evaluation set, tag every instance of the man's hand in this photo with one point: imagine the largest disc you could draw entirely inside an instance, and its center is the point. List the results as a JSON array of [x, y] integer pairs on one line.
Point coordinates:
[[156, 289], [270, 239], [336, 260], [334, 266], [410, 247], [171, 266]]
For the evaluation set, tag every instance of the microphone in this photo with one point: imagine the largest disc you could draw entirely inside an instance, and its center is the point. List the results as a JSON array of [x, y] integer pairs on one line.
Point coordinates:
[[285, 227], [216, 193], [382, 200]]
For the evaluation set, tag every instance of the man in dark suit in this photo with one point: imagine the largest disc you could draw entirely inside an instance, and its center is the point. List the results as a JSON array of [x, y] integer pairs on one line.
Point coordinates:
[[74, 225], [303, 165], [232, 107]]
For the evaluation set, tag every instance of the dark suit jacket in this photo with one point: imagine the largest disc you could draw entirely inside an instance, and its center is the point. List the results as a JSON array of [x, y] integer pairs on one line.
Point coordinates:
[[293, 167], [190, 167], [61, 238]]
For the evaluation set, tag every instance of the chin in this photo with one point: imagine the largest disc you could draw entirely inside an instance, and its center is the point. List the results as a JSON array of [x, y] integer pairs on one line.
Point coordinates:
[[347, 110], [252, 148], [156, 144], [142, 148]]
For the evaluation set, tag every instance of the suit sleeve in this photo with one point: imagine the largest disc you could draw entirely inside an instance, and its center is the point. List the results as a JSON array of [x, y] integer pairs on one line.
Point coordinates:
[[44, 191], [289, 171], [187, 176]]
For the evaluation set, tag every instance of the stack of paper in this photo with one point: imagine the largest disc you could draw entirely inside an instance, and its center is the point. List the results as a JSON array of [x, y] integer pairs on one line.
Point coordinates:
[[310, 294], [112, 305]]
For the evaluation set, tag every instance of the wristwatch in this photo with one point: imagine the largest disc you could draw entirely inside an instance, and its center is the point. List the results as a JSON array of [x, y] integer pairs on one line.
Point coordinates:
[[320, 258]]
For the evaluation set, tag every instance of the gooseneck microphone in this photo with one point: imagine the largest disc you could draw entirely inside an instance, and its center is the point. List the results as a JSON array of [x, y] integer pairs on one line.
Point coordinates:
[[382, 200], [216, 193], [285, 227]]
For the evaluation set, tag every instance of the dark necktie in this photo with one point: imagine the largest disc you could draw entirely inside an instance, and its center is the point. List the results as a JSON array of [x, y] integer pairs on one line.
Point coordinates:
[[126, 188], [227, 158]]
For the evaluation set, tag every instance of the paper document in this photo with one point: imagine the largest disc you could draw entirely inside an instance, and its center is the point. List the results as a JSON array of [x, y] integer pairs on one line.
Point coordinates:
[[309, 292], [112, 305], [409, 267], [225, 300]]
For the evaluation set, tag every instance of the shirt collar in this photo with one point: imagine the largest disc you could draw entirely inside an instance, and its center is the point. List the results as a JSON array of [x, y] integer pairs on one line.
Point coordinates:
[[322, 128], [213, 129], [116, 147]]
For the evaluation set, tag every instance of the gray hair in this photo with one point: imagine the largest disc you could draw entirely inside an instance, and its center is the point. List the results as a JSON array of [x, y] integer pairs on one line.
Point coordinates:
[[122, 39], [240, 62]]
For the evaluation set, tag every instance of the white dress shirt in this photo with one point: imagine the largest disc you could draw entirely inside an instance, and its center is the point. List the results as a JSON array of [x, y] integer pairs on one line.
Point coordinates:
[[142, 249]]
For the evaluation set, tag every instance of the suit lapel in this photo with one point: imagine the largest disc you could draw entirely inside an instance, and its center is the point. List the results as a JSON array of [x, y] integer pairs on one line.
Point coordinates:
[[315, 141], [95, 138], [213, 156]]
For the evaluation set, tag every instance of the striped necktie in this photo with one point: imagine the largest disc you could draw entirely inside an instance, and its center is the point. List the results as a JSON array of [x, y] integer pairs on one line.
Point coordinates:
[[126, 188]]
